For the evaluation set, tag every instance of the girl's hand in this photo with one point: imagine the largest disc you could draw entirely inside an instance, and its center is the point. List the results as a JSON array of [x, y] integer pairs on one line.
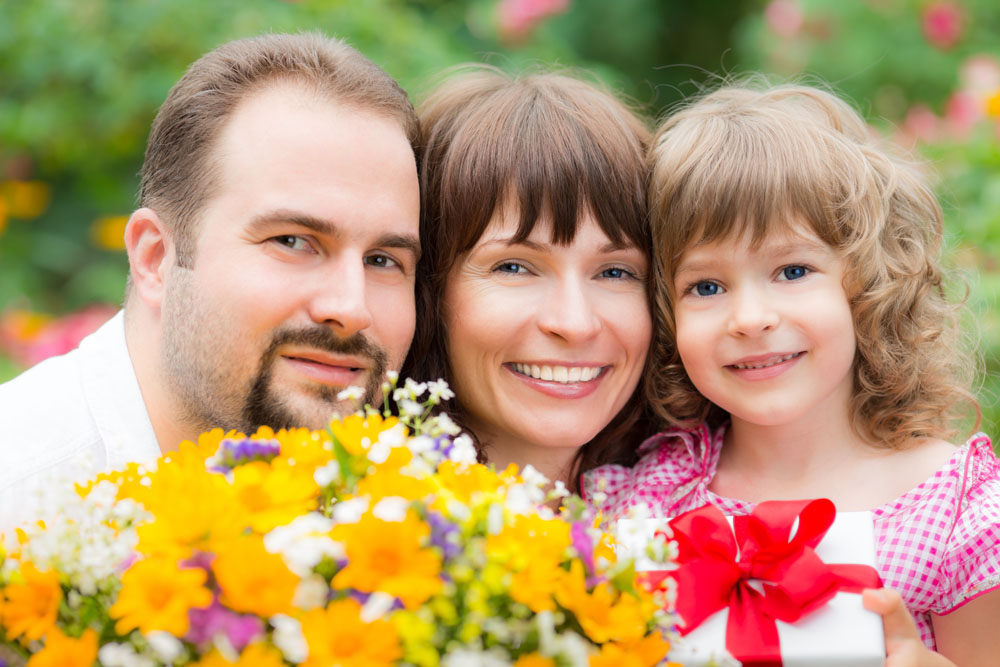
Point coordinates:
[[903, 647]]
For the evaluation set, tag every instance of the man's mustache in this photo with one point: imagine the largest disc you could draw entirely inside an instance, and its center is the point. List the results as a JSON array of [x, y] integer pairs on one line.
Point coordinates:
[[323, 338]]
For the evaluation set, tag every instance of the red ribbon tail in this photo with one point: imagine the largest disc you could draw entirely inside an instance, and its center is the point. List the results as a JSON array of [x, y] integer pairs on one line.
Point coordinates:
[[751, 635]]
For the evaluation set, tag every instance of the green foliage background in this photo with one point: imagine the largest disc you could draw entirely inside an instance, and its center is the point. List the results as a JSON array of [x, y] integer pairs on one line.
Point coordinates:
[[80, 81]]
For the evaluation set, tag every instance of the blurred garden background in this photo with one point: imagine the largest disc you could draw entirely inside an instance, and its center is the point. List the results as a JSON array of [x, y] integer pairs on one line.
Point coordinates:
[[80, 82]]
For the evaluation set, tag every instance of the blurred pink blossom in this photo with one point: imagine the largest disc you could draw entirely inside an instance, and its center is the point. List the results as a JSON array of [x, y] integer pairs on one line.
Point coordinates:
[[962, 111], [980, 74], [943, 24], [784, 17], [517, 18], [920, 124], [29, 338]]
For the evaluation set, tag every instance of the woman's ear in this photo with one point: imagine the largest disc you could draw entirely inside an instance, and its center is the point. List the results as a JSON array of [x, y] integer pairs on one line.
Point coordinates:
[[150, 250]]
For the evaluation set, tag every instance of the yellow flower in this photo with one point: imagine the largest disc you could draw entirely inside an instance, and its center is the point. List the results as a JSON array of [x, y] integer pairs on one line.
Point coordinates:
[[603, 617], [254, 655], [389, 481], [311, 449], [26, 199], [534, 660], [253, 580], [157, 595], [63, 651], [357, 433], [192, 510], [109, 232], [274, 494], [32, 605], [467, 480], [337, 636], [993, 105], [388, 556], [645, 652], [530, 539]]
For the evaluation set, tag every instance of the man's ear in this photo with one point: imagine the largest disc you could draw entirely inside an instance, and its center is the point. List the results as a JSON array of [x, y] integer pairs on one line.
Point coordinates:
[[151, 253]]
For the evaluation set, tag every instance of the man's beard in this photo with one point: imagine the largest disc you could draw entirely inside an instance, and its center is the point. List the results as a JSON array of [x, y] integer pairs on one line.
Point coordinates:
[[263, 407], [210, 387]]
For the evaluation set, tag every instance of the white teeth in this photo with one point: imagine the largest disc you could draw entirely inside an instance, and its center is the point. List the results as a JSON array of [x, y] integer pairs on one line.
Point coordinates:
[[768, 363], [562, 374]]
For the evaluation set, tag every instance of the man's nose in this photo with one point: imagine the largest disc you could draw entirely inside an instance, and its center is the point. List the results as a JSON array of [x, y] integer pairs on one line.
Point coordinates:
[[752, 312], [340, 298], [568, 311]]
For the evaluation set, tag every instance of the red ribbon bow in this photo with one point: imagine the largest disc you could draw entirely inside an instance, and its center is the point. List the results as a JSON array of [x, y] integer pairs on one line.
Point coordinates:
[[716, 564]]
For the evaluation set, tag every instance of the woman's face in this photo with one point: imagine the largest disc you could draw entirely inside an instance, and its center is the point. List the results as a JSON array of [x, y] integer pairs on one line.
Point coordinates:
[[546, 342]]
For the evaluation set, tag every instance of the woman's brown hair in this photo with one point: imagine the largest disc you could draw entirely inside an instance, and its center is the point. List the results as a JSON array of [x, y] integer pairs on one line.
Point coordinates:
[[748, 159], [551, 145]]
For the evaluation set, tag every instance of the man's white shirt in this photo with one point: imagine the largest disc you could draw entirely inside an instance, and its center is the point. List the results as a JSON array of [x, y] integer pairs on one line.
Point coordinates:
[[67, 419]]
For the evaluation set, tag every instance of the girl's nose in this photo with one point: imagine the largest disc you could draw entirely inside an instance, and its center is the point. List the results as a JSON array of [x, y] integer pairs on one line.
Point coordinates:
[[752, 313]]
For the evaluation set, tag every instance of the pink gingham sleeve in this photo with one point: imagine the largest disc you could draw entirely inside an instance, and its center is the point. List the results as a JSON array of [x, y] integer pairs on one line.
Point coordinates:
[[971, 564]]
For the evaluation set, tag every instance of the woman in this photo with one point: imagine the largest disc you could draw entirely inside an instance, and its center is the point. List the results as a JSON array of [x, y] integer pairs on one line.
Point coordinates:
[[533, 291]]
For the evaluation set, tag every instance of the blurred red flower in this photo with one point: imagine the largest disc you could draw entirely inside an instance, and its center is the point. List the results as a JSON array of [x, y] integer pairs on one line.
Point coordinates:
[[943, 24], [517, 18], [29, 337]]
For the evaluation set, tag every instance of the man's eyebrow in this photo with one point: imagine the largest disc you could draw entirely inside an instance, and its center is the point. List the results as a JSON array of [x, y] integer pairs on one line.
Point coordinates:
[[321, 226], [401, 241]]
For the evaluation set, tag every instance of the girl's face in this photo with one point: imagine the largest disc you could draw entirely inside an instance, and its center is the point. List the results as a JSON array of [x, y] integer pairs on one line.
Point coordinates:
[[766, 334], [546, 342]]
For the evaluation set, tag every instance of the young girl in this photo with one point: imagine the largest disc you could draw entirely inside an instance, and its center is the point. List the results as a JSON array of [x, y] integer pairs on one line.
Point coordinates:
[[809, 349]]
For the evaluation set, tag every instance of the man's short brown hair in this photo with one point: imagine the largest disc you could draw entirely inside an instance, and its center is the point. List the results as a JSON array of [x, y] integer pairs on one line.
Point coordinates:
[[179, 172]]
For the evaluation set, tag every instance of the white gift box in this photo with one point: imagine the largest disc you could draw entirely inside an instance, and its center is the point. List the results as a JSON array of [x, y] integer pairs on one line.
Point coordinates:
[[840, 634]]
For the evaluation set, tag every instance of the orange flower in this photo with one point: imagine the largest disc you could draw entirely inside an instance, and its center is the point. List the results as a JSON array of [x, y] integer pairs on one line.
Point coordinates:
[[32, 605], [63, 651], [646, 652], [534, 660], [109, 232], [254, 580], [274, 494], [26, 199], [603, 614], [254, 655], [389, 556], [157, 595], [337, 636]]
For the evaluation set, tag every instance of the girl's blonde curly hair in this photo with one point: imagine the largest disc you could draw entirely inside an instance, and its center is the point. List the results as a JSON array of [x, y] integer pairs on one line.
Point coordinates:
[[747, 159]]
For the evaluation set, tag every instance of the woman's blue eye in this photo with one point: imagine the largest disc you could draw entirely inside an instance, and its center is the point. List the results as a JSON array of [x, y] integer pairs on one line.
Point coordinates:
[[706, 289], [615, 272], [794, 272], [509, 267]]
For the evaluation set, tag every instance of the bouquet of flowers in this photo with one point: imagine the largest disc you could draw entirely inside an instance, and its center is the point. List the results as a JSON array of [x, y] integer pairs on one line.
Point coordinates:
[[380, 540]]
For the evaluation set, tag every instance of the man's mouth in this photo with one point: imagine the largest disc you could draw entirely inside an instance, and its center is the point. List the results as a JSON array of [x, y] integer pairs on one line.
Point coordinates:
[[556, 373]]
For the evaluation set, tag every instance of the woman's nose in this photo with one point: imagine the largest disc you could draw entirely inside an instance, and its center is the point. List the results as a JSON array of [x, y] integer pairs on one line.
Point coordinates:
[[569, 311], [752, 313]]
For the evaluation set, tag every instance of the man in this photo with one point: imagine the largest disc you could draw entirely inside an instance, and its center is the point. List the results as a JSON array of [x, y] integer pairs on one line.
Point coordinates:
[[272, 265]]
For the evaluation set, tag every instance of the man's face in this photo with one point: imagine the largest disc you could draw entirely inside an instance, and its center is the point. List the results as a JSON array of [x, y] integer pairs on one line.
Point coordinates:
[[303, 275]]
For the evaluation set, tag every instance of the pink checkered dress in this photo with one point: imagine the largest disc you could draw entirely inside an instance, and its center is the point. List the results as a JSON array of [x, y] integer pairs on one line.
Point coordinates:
[[938, 544]]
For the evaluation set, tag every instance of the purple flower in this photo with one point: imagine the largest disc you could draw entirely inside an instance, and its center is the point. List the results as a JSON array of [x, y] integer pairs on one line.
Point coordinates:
[[444, 535], [583, 544], [207, 623], [233, 453]]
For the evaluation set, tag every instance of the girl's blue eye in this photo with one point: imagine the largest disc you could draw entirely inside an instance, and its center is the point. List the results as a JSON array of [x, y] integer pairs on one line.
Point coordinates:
[[794, 272], [706, 289]]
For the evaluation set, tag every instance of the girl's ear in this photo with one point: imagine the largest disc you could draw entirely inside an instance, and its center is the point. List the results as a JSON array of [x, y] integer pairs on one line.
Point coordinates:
[[151, 252]]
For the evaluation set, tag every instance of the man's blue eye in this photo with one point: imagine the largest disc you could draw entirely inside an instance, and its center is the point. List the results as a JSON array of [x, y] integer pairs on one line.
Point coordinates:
[[794, 272], [706, 289]]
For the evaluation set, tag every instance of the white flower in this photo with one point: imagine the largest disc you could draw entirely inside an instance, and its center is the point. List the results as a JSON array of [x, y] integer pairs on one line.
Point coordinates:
[[439, 391], [560, 490], [311, 592], [350, 511], [494, 519], [166, 647], [391, 508], [416, 389], [393, 437], [379, 452], [327, 474], [122, 655], [289, 639], [410, 408], [447, 425], [392, 376], [378, 605], [304, 542], [351, 393], [475, 657], [463, 450], [532, 476]]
